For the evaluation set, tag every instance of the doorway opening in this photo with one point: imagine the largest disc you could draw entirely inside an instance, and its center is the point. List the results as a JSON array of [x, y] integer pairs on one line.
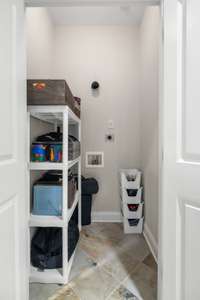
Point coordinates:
[[117, 47]]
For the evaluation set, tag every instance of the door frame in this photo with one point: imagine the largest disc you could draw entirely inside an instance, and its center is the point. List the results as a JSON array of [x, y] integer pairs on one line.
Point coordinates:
[[110, 3], [56, 3]]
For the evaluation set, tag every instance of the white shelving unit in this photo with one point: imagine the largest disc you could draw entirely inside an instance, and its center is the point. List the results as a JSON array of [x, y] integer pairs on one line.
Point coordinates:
[[64, 117]]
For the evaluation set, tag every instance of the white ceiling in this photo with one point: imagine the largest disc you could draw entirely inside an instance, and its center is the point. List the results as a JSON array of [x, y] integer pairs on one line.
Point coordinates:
[[116, 15]]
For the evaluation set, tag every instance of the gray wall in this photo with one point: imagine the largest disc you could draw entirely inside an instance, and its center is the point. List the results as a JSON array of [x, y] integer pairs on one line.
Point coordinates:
[[40, 43], [110, 55], [149, 83]]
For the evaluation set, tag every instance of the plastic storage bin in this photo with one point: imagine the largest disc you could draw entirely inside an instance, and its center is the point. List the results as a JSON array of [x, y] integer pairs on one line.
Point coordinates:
[[131, 200], [130, 178], [74, 147], [133, 225], [131, 196], [132, 211], [51, 92], [47, 200], [47, 194]]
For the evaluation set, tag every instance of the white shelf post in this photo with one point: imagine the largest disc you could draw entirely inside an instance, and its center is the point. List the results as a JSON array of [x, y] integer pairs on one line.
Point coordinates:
[[79, 182], [65, 170], [65, 196]]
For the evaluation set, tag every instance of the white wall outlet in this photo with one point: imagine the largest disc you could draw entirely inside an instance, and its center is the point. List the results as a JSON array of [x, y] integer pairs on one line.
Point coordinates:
[[110, 124]]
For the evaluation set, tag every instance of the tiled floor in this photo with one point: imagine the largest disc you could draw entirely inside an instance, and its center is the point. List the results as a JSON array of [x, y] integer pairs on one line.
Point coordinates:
[[108, 266]]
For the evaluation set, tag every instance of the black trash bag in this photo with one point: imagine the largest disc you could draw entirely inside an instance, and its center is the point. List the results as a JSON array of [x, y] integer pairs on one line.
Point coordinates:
[[51, 137], [46, 246], [54, 137], [73, 235], [55, 177], [51, 177], [89, 186]]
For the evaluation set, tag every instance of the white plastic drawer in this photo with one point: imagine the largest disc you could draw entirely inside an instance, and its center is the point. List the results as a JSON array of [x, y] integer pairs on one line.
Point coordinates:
[[133, 229], [130, 178], [134, 199], [132, 212]]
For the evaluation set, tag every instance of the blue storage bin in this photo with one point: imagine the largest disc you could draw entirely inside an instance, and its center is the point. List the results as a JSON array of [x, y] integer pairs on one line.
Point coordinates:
[[47, 200]]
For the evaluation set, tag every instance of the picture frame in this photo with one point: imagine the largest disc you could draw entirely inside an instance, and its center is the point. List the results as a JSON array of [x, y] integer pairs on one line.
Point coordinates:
[[94, 159]]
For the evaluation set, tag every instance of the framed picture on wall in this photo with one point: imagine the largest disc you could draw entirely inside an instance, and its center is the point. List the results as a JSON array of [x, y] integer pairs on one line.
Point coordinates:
[[94, 159]]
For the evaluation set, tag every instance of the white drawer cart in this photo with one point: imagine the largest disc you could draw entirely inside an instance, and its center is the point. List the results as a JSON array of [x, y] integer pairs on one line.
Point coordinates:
[[56, 116], [131, 200]]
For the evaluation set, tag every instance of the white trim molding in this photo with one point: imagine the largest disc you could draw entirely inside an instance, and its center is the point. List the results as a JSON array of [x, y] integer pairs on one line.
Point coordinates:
[[106, 217], [153, 246], [46, 3]]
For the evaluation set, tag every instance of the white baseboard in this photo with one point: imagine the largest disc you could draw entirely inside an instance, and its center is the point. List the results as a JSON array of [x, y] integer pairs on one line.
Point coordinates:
[[107, 216], [151, 242]]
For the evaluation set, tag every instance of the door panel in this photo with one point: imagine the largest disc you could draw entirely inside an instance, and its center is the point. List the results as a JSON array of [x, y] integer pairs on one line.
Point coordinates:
[[8, 235], [180, 263], [13, 215], [6, 77], [191, 225], [192, 88], [188, 248]]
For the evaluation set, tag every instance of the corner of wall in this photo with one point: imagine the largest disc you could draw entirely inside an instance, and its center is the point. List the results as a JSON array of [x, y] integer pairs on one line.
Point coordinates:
[[40, 42], [153, 245], [149, 74]]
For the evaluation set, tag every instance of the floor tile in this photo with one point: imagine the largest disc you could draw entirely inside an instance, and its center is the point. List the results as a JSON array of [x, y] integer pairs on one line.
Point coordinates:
[[81, 263], [142, 282], [93, 228], [150, 262], [112, 232], [94, 284], [39, 291], [119, 265], [66, 293], [108, 265], [134, 246], [96, 246], [122, 294]]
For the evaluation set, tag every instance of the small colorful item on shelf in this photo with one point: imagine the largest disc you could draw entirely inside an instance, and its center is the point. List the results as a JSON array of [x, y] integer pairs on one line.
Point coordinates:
[[55, 153], [39, 152]]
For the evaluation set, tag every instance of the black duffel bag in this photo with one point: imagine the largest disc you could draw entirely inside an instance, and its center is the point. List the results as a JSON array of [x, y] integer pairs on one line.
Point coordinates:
[[46, 246]]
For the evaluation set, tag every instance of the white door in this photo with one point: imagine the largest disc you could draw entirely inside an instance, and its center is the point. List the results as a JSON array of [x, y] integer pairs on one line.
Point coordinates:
[[13, 273], [180, 219]]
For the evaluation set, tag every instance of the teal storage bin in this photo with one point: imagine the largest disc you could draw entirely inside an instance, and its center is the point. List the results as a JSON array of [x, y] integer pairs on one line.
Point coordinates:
[[47, 200]]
